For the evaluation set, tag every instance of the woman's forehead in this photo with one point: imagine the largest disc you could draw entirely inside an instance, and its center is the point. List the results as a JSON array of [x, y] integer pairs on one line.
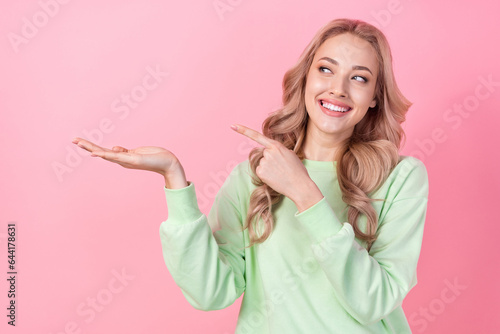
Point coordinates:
[[348, 49]]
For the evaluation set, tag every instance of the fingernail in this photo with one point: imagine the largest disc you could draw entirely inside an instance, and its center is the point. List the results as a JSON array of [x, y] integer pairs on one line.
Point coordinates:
[[234, 127]]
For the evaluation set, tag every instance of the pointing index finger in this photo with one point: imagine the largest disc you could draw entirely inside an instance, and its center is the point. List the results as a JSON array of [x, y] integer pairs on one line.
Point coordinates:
[[252, 134]]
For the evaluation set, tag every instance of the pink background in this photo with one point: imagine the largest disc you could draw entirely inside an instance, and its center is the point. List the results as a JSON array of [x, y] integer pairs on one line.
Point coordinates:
[[77, 229]]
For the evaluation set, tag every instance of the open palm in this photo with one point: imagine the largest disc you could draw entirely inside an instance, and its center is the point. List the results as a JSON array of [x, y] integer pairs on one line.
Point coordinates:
[[152, 158]]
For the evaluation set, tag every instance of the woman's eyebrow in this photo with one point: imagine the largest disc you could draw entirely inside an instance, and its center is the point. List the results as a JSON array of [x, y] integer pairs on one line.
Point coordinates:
[[354, 67]]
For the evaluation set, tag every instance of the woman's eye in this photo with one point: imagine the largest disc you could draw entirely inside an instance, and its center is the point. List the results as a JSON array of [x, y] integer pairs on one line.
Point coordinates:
[[360, 78], [322, 68]]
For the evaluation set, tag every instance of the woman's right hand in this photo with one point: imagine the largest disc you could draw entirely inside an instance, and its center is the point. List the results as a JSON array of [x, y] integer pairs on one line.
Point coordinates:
[[152, 158]]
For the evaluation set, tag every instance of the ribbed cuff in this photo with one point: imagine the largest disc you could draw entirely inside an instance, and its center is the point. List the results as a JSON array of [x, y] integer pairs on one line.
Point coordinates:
[[319, 221], [182, 205]]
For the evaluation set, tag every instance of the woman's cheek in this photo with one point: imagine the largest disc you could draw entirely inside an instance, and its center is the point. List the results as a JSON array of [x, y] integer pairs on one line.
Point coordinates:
[[322, 84]]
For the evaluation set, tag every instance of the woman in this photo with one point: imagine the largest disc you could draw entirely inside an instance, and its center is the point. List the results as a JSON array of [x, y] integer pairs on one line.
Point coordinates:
[[321, 227]]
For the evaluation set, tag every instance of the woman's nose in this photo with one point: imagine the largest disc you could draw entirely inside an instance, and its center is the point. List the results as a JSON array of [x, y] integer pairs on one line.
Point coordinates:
[[338, 87], [335, 92]]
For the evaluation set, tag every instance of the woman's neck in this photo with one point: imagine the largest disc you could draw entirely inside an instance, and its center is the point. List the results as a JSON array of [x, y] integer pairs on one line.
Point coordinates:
[[321, 146]]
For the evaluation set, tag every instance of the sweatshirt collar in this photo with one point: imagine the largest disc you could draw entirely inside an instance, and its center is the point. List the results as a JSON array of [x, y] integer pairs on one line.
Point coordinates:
[[315, 165]]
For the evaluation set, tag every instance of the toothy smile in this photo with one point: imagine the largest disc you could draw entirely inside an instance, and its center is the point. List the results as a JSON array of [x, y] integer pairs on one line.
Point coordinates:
[[334, 107]]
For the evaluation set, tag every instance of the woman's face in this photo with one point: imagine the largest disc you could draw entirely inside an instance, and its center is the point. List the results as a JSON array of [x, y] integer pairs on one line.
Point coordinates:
[[340, 86]]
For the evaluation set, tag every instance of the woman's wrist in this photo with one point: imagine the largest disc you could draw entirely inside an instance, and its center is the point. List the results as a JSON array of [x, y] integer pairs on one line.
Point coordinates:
[[175, 179], [307, 196]]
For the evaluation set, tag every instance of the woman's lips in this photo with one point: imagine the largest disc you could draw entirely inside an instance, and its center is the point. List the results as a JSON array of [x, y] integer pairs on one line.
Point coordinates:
[[334, 113]]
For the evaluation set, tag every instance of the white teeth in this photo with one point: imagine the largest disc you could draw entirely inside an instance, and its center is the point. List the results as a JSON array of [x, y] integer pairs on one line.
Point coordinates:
[[333, 107]]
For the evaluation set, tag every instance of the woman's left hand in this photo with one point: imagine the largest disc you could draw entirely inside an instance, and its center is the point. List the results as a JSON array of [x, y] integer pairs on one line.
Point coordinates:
[[282, 170]]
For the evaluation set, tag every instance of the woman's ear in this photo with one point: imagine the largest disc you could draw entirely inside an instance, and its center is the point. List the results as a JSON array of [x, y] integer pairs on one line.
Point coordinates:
[[373, 103]]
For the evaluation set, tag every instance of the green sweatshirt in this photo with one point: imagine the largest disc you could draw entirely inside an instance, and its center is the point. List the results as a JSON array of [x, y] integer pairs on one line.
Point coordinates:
[[312, 275]]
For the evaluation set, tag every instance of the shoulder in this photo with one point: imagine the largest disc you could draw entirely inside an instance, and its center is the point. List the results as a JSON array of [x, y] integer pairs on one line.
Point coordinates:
[[239, 181], [240, 174], [411, 166], [241, 170], [234, 194], [408, 179]]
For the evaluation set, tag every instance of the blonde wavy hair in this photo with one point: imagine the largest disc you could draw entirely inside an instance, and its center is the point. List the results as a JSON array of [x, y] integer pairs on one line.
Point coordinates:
[[364, 160]]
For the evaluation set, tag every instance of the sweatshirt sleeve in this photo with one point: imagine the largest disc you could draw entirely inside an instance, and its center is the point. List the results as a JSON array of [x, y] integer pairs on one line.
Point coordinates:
[[207, 265], [371, 285]]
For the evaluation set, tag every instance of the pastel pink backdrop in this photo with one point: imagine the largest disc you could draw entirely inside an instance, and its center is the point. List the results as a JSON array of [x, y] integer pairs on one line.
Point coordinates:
[[81, 222]]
